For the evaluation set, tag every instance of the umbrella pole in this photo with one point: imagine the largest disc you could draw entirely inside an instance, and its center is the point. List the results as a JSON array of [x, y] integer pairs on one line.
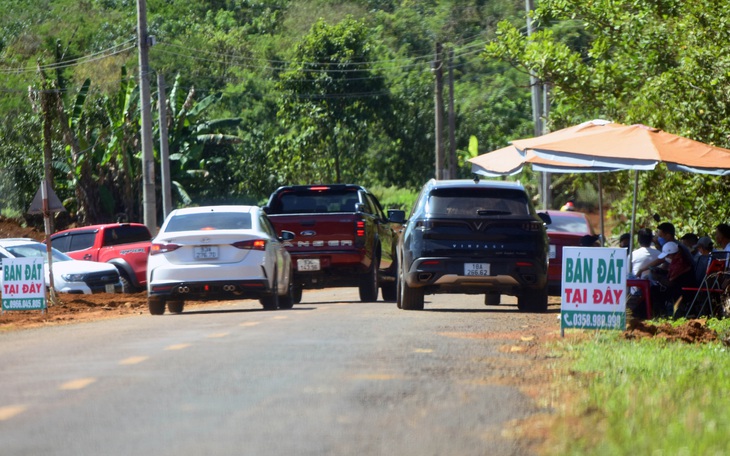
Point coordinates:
[[600, 210], [633, 216]]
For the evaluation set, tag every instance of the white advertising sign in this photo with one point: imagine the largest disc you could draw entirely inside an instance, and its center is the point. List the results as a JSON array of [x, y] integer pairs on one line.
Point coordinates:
[[593, 288], [23, 284]]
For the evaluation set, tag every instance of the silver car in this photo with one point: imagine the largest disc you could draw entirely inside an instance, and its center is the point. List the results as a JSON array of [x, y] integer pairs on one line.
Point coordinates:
[[218, 253]]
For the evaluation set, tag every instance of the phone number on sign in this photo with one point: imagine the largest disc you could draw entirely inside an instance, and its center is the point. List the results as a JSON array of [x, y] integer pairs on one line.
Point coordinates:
[[596, 320]]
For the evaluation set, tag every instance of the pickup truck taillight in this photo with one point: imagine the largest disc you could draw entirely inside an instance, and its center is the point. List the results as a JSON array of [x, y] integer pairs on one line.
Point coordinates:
[[251, 244], [360, 228], [163, 248]]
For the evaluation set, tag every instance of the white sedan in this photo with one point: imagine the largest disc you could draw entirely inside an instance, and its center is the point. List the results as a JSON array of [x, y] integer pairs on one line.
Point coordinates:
[[218, 253], [69, 275]]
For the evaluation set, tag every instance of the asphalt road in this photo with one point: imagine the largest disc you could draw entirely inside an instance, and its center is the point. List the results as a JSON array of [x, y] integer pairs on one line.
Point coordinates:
[[333, 376]]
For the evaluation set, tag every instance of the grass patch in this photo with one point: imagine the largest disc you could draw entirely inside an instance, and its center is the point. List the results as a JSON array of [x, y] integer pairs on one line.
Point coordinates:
[[648, 397]]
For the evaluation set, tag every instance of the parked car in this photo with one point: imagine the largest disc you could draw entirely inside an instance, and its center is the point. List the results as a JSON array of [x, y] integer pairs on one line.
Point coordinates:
[[125, 245], [69, 275], [471, 236], [567, 229], [344, 238], [218, 253]]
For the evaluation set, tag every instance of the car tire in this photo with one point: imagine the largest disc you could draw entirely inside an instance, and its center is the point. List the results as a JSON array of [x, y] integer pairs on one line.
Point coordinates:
[[492, 299], [127, 286], [175, 307], [156, 305], [368, 287], [287, 301], [297, 294], [399, 292], [271, 301], [410, 298], [533, 301]]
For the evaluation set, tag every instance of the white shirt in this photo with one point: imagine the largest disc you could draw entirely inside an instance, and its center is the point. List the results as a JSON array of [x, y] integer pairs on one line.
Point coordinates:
[[641, 258]]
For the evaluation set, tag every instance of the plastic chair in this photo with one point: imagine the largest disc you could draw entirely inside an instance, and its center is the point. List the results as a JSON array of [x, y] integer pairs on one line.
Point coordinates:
[[711, 286]]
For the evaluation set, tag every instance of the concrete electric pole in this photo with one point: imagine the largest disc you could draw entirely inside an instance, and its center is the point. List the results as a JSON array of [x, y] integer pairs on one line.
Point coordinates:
[[439, 108], [148, 161]]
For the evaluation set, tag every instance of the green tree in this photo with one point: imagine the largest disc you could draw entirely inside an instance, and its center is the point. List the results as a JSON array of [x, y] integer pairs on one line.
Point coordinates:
[[331, 94], [660, 63]]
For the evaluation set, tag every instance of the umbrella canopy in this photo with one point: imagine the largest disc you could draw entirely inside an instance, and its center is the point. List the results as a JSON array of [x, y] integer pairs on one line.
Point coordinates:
[[602, 144], [508, 161]]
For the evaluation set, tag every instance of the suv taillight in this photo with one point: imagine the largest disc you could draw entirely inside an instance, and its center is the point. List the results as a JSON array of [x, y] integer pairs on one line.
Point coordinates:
[[533, 226], [163, 248], [251, 244]]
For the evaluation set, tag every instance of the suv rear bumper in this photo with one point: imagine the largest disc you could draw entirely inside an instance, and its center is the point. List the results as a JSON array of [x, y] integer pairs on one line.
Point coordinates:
[[447, 274]]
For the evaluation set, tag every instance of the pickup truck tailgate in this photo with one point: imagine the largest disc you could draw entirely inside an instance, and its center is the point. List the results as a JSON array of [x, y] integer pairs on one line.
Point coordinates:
[[319, 233]]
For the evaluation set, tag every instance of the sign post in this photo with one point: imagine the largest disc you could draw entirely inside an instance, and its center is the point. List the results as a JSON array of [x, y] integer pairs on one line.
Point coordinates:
[[46, 202], [593, 288]]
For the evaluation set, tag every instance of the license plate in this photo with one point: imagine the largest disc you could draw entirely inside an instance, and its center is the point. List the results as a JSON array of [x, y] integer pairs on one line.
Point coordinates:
[[308, 264], [476, 269], [205, 252], [109, 287], [553, 252]]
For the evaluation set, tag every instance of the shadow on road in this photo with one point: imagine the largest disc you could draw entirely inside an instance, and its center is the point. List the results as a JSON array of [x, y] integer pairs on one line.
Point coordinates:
[[225, 311]]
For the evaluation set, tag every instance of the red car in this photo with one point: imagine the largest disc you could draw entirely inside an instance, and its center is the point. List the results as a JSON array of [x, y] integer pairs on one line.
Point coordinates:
[[570, 229]]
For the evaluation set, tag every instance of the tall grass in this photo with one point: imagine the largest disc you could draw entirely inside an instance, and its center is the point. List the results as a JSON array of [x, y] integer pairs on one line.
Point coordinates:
[[648, 397]]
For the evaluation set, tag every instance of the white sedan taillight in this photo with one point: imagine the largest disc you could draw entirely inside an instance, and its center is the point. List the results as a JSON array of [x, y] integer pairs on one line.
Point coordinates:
[[251, 244], [163, 248]]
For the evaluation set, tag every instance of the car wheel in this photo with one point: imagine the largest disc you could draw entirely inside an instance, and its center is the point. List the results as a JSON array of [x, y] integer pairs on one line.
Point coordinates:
[[533, 301], [410, 298], [175, 307], [492, 299], [127, 286], [369, 283], [156, 305], [271, 301], [287, 301], [297, 294]]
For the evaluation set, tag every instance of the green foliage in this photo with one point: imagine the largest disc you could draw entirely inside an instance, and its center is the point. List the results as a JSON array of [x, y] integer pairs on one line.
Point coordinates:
[[658, 63], [647, 397], [395, 198]]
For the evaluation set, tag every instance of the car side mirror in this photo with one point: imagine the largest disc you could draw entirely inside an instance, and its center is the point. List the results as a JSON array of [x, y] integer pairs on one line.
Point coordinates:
[[265, 209], [286, 235], [545, 217], [359, 207], [396, 216]]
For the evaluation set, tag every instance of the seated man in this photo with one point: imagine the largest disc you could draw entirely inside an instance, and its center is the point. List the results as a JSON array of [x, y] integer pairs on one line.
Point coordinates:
[[644, 255], [680, 275], [640, 258], [702, 257]]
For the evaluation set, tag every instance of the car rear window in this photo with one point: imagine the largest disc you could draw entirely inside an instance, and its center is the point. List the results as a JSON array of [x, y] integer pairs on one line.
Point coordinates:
[[477, 202], [309, 202], [126, 234], [210, 221], [567, 224]]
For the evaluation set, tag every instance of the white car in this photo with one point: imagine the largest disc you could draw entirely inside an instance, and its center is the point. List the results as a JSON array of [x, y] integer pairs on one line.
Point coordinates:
[[218, 253], [69, 275]]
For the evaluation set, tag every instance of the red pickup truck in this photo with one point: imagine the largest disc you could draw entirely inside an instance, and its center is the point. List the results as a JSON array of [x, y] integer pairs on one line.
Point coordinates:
[[343, 238], [125, 245]]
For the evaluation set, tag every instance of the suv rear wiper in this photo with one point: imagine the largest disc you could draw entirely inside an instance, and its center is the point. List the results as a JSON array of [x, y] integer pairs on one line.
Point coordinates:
[[491, 212]]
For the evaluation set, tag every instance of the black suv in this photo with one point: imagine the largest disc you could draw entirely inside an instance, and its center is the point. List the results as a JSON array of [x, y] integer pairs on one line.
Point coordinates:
[[474, 237]]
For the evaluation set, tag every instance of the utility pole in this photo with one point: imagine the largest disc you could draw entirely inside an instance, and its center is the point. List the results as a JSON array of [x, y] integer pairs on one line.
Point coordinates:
[[537, 109], [439, 108], [164, 149], [453, 162], [148, 162]]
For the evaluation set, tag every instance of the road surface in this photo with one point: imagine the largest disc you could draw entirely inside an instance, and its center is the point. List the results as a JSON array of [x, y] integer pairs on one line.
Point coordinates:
[[333, 376]]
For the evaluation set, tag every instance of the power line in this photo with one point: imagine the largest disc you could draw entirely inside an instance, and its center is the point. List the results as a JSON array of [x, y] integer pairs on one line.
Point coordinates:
[[112, 51]]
